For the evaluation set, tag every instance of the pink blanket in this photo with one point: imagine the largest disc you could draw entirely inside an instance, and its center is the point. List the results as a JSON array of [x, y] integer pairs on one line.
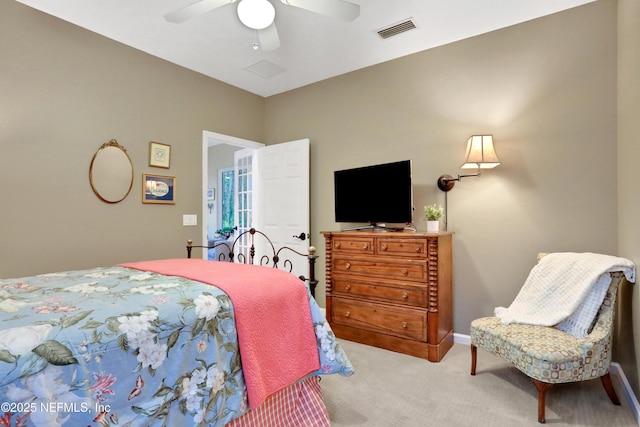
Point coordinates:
[[275, 331]]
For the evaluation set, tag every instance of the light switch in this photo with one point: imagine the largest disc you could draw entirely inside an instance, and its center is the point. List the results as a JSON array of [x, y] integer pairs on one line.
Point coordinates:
[[189, 220]]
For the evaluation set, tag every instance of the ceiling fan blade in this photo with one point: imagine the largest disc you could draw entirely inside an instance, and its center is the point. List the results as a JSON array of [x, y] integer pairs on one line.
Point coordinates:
[[334, 8], [195, 9], [269, 38]]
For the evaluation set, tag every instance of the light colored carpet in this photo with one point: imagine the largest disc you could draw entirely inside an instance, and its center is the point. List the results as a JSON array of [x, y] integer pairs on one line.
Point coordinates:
[[392, 389]]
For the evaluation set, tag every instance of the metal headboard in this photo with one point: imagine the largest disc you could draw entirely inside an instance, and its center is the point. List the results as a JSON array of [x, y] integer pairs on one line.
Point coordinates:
[[266, 260]]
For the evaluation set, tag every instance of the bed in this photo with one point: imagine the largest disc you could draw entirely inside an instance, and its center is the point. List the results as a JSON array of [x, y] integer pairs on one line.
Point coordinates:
[[179, 342]]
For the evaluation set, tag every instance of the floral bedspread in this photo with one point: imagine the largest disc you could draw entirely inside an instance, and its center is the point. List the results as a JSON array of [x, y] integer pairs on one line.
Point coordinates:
[[120, 347]]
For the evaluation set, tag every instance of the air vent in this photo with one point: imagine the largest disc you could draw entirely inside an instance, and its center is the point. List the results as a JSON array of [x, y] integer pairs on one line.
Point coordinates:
[[265, 69], [396, 29]]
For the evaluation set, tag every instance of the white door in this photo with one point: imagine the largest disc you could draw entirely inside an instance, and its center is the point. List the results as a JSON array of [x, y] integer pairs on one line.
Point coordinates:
[[243, 198], [282, 198]]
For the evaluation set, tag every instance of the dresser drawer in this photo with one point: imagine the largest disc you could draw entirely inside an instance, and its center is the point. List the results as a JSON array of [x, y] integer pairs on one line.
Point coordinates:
[[409, 294], [414, 248], [381, 318], [354, 245], [397, 269]]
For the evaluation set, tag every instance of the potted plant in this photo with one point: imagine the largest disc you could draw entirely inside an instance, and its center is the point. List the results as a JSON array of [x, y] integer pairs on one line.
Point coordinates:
[[433, 213]]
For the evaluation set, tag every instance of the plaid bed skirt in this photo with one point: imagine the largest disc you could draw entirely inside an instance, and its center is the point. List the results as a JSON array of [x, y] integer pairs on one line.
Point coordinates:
[[300, 404]]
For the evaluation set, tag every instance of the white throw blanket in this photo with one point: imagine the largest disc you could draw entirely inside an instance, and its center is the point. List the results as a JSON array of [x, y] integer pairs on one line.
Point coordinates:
[[565, 289]]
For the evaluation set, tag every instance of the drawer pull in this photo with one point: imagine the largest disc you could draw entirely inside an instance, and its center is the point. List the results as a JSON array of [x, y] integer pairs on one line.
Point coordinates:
[[347, 288], [405, 295], [337, 245], [404, 325], [347, 314], [383, 246], [418, 249], [365, 246], [347, 266], [405, 271]]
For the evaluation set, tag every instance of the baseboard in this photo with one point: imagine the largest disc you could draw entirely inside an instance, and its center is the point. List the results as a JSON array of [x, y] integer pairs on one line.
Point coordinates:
[[616, 369], [461, 339]]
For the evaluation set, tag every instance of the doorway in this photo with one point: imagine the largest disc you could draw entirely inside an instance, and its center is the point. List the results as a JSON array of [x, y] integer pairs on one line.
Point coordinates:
[[271, 192], [217, 154]]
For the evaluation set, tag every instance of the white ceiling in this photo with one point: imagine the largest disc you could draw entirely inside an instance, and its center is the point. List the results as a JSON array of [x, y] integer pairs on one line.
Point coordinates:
[[313, 47]]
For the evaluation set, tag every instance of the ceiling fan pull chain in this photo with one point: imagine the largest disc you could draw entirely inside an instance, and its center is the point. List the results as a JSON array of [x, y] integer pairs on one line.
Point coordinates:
[[256, 42]]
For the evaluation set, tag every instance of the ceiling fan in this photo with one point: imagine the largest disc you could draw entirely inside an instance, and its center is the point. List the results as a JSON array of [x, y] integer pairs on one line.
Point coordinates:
[[260, 14]]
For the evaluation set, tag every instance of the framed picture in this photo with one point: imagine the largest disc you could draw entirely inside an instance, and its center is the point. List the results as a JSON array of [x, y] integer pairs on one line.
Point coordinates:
[[158, 189], [159, 155]]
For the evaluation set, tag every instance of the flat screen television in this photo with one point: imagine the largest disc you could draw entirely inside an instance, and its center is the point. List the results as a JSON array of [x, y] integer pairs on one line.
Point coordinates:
[[374, 194]]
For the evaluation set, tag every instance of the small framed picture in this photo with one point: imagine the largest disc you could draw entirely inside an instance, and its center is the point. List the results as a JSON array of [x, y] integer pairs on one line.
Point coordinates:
[[158, 189], [159, 155]]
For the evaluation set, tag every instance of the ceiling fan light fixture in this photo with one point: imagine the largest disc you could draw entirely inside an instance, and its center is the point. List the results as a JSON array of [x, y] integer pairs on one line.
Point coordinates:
[[256, 14]]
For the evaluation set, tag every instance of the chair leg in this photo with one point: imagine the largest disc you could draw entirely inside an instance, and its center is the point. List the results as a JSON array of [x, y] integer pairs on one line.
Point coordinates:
[[474, 356], [608, 386], [542, 393]]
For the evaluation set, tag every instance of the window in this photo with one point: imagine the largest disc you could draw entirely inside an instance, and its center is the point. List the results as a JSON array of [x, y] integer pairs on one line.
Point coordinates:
[[227, 191], [244, 193]]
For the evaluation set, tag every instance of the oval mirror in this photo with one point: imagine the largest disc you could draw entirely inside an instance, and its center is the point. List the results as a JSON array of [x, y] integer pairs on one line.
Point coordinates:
[[111, 172]]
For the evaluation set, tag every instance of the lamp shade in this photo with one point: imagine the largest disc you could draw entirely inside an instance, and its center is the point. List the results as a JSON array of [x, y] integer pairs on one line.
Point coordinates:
[[480, 153], [256, 14]]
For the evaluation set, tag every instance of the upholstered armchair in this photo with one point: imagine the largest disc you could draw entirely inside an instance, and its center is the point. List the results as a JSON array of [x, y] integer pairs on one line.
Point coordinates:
[[548, 355]]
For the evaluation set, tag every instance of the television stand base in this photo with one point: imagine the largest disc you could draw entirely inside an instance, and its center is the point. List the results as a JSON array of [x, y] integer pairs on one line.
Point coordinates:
[[374, 227]]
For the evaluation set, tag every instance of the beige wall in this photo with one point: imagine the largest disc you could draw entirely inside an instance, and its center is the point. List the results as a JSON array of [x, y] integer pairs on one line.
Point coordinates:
[[64, 92], [546, 89], [627, 343]]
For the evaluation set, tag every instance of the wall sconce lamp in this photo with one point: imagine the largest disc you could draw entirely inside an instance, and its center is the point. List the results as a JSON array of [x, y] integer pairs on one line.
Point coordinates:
[[480, 155]]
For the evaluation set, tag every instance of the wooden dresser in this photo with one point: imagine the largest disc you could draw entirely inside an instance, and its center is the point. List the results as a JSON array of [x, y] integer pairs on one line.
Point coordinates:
[[391, 290]]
